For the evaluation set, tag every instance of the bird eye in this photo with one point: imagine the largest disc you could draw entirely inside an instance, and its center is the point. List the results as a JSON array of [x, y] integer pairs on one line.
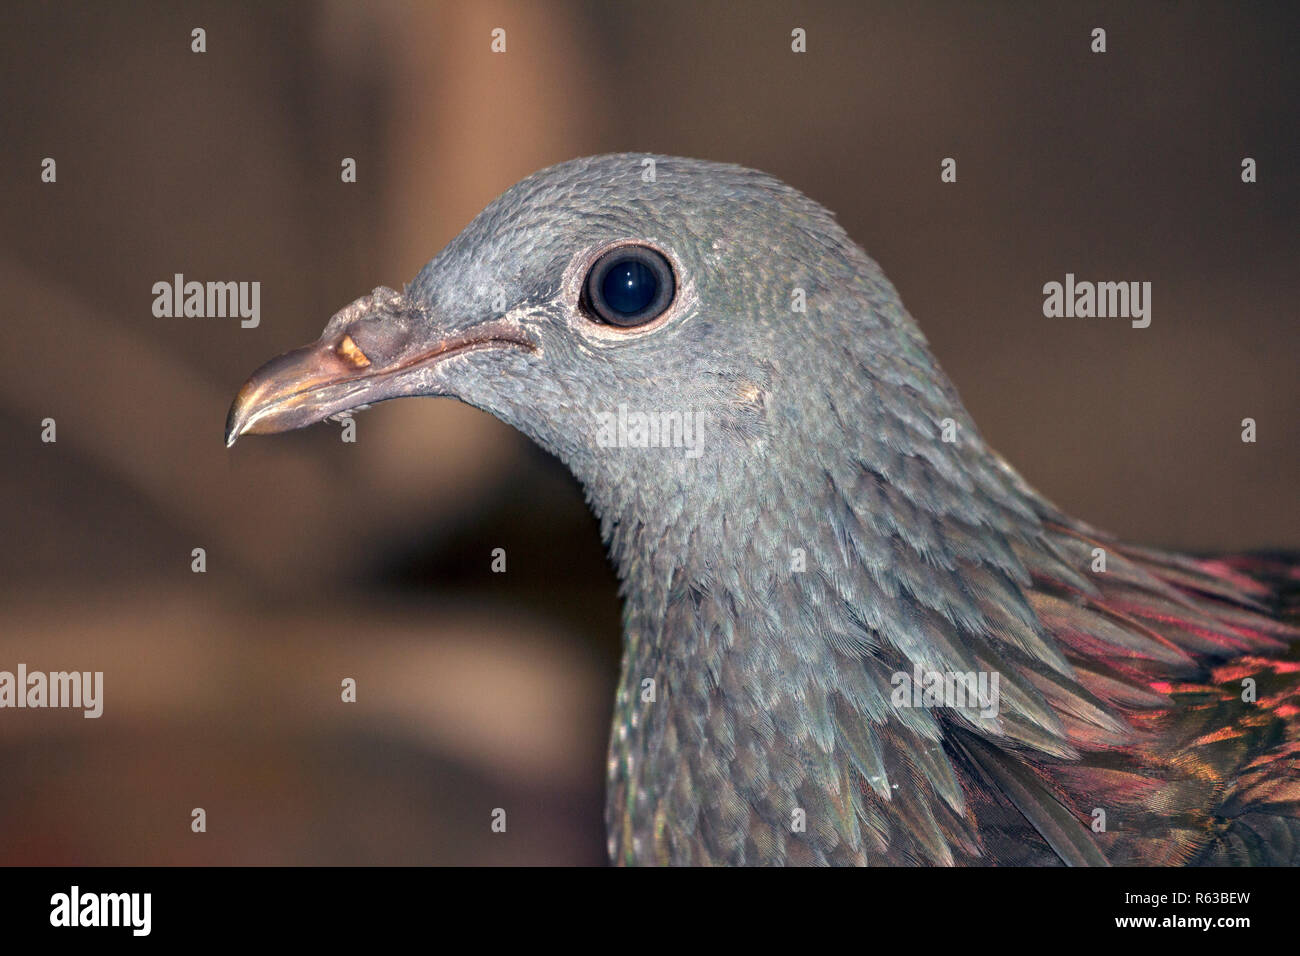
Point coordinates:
[[629, 286]]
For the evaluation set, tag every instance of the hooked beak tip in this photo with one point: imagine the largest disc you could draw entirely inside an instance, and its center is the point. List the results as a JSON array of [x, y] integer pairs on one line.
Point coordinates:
[[283, 393], [237, 417]]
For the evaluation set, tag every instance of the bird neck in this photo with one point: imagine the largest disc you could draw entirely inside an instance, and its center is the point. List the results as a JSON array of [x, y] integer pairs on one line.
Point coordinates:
[[684, 634], [715, 618], [771, 595]]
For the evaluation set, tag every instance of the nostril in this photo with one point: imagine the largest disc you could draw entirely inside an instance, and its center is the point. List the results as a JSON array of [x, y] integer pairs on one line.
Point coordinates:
[[348, 350]]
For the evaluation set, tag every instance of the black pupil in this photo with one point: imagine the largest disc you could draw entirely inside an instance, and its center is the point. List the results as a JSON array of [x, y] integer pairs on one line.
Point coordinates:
[[629, 286]]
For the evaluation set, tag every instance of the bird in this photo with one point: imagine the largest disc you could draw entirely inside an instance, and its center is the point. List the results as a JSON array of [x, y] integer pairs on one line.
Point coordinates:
[[853, 634]]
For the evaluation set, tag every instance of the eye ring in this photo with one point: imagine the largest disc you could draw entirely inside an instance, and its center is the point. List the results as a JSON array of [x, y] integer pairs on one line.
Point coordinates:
[[628, 286]]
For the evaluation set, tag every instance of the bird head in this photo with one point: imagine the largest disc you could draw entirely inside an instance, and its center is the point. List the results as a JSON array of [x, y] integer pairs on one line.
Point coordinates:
[[645, 319]]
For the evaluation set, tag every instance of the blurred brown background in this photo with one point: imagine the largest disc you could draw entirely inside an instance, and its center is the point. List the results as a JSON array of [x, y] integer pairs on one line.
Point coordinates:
[[328, 560]]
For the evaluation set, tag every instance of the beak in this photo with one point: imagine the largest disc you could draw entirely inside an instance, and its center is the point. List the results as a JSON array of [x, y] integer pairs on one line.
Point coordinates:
[[333, 375], [296, 389]]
